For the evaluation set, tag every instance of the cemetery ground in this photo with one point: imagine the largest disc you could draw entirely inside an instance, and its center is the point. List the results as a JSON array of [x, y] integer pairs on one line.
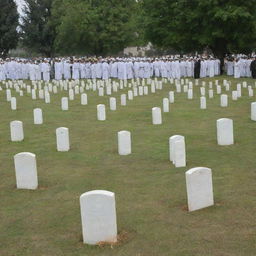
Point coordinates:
[[151, 202]]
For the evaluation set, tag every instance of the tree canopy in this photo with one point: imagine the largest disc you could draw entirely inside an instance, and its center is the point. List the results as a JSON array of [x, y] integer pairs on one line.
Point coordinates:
[[225, 26], [38, 33], [94, 27], [8, 26]]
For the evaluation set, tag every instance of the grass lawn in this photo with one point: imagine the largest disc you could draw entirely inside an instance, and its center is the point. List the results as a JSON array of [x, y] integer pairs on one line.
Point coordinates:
[[152, 214]]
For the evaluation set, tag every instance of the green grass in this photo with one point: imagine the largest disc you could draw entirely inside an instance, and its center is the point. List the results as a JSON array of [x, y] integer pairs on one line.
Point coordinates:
[[150, 192]]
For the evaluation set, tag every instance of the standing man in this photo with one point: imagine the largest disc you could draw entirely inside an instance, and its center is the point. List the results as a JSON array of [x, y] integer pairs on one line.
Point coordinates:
[[197, 68], [253, 68]]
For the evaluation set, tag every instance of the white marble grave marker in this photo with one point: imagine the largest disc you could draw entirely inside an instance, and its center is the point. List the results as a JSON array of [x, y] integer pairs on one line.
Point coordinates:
[[172, 141], [84, 100], [124, 143], [8, 95], [123, 99], [130, 95], [17, 133], [234, 95], [171, 96], [199, 188], [210, 93], [253, 111], [62, 139], [101, 112], [38, 116], [224, 100], [166, 103], [64, 103], [156, 115], [179, 153], [26, 170], [13, 103], [190, 94], [225, 131], [202, 102], [112, 103], [98, 215]]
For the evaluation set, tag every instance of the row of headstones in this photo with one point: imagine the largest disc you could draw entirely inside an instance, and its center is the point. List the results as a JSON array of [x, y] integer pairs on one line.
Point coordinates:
[[186, 88], [142, 91], [177, 151], [176, 143], [112, 100], [98, 208]]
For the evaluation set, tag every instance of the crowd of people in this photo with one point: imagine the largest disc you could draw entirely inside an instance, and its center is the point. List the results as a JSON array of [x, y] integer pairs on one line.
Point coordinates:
[[105, 68], [241, 66], [123, 68]]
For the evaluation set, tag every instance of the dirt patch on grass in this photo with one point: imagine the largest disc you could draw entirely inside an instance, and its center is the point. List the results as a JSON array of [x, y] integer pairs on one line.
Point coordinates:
[[122, 237]]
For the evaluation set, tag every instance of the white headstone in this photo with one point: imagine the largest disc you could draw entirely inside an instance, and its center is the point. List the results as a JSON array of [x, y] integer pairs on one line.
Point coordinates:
[[64, 103], [71, 94], [171, 97], [179, 153], [38, 116], [41, 94], [166, 103], [8, 95], [135, 91], [156, 115], [225, 131], [62, 139], [124, 143], [253, 111], [202, 102], [224, 100], [210, 94], [13, 103], [130, 95], [101, 91], [172, 141], [98, 215], [123, 99], [234, 95], [84, 99], [47, 97], [190, 94], [33, 94], [218, 89], [26, 170], [16, 128], [101, 112], [202, 91], [112, 103], [153, 88], [140, 90], [145, 90], [199, 188]]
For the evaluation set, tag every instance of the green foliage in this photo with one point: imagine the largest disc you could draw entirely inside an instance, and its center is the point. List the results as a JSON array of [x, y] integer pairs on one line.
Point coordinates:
[[8, 26], [94, 27], [38, 32], [190, 25]]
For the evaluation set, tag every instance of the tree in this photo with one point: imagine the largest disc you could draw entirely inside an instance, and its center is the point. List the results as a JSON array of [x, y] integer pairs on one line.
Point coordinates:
[[38, 32], [224, 26], [8, 26], [98, 27]]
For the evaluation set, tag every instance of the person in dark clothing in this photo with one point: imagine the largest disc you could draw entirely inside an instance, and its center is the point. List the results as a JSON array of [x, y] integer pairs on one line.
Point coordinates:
[[253, 68], [197, 68]]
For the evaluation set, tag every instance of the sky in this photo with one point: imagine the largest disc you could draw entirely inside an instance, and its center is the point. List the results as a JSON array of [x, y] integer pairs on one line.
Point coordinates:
[[19, 4]]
